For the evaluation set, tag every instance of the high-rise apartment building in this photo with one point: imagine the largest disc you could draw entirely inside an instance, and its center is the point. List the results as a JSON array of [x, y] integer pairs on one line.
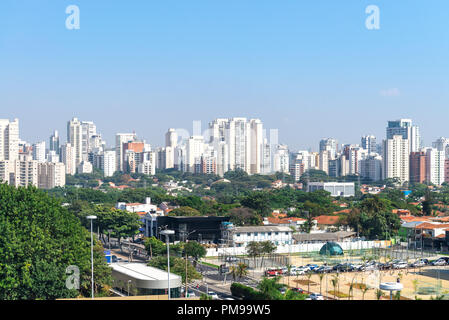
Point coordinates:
[[418, 167], [407, 130], [131, 155], [75, 138], [39, 151], [9, 140], [330, 145], [194, 150], [371, 167], [281, 159], [434, 166], [442, 144], [54, 142], [244, 140], [369, 143], [51, 175], [25, 173], [324, 160], [68, 158], [109, 163], [396, 152], [120, 139]]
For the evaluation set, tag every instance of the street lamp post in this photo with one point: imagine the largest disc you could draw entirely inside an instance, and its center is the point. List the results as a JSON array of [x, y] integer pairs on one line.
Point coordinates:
[[186, 238], [129, 281], [167, 234], [92, 218]]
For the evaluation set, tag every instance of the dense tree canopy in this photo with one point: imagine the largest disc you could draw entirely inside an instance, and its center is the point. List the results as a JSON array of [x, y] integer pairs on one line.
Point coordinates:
[[40, 239]]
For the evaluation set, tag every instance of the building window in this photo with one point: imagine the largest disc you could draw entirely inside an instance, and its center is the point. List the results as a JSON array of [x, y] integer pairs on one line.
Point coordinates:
[[238, 234], [255, 233], [269, 233], [248, 234]]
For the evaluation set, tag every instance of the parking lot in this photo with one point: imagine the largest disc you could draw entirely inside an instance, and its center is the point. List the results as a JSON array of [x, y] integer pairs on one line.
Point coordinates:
[[420, 280]]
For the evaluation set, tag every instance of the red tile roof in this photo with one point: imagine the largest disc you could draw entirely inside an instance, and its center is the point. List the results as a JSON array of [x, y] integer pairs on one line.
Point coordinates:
[[429, 226], [327, 220], [284, 220], [413, 218]]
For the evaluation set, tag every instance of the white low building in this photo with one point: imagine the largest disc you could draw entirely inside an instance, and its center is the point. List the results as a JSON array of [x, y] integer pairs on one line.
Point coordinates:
[[137, 207], [141, 279], [337, 189], [241, 236]]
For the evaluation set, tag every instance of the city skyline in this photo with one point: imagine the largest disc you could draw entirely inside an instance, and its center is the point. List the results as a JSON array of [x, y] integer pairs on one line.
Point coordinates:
[[209, 60], [202, 126]]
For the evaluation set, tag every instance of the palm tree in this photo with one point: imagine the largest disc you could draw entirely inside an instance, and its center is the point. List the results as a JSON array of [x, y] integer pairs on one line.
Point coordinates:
[[242, 270], [266, 248], [379, 294], [415, 285], [253, 249], [289, 269], [351, 288], [233, 271], [321, 275], [309, 275], [337, 276], [334, 284], [364, 291]]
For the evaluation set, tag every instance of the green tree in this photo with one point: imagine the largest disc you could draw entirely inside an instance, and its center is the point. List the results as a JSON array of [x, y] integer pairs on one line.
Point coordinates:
[[40, 239], [185, 212], [258, 201], [270, 288], [155, 247], [177, 266], [254, 249], [195, 250], [242, 216]]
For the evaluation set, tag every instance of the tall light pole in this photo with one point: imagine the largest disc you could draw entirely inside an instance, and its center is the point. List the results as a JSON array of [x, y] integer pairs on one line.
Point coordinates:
[[92, 218], [186, 238], [167, 234]]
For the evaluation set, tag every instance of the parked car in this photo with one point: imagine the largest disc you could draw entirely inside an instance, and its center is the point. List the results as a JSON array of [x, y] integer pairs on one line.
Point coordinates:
[[190, 294], [356, 267], [114, 258], [213, 295], [400, 265], [271, 273], [231, 259], [368, 267], [343, 267], [312, 266], [439, 262], [383, 266], [298, 290], [419, 263], [323, 269], [297, 272], [316, 296]]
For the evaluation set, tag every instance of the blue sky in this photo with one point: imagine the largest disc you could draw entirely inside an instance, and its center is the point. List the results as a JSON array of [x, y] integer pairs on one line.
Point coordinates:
[[308, 68]]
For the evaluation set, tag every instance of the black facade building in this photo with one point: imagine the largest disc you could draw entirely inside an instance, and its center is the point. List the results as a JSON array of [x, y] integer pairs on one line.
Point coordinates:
[[202, 229]]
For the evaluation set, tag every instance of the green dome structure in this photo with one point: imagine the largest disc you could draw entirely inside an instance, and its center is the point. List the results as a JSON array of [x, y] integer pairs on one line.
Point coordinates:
[[331, 249]]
